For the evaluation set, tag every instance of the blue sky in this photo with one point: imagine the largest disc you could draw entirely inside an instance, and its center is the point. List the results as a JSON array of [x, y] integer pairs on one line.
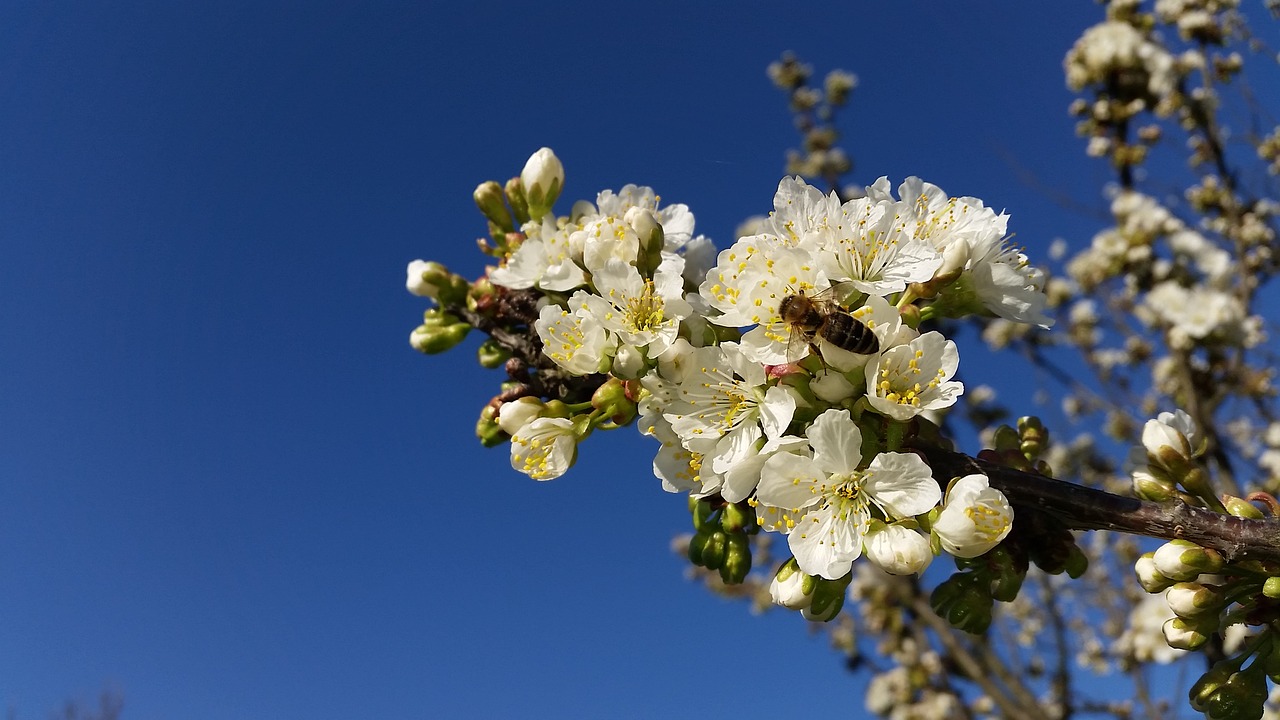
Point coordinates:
[[229, 488]]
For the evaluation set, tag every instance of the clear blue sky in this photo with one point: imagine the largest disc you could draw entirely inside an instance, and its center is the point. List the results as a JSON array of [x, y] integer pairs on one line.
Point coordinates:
[[229, 488]]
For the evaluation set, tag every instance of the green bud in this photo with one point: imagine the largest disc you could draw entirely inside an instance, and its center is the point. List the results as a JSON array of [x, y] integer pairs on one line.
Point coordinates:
[[1209, 683], [491, 354], [487, 428], [1196, 481], [698, 544], [431, 340], [1006, 438], [1242, 697], [481, 294], [1077, 562], [557, 409], [1007, 584], [910, 316], [1148, 486], [971, 612], [611, 399], [1242, 508], [737, 559], [701, 511], [828, 599], [492, 203], [737, 519], [1271, 588], [714, 551], [516, 199]]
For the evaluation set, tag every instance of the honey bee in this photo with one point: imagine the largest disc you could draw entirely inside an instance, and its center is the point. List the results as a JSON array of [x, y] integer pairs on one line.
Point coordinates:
[[820, 316]]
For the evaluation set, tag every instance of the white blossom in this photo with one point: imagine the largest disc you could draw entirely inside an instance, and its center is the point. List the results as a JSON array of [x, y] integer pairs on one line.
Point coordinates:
[[576, 341], [909, 379], [974, 518], [722, 403], [825, 503], [545, 448]]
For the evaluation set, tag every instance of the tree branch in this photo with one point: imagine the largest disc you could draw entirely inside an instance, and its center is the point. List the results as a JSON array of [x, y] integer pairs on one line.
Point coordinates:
[[1083, 508]]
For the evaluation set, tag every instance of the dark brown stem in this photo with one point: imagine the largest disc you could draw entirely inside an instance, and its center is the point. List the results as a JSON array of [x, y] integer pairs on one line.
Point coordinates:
[[1082, 508]]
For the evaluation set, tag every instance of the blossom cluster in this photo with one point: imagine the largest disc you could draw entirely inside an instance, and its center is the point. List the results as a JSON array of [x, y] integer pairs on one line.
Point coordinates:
[[798, 415]]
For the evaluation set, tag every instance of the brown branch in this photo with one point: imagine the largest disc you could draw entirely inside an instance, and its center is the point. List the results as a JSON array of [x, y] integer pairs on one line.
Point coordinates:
[[1082, 508]]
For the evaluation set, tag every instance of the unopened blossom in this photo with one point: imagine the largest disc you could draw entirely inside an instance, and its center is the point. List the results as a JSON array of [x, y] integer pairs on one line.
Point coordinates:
[[825, 503], [514, 415], [1183, 560], [898, 550], [542, 178], [416, 283], [545, 448], [606, 233], [575, 339], [975, 517], [1171, 432], [909, 379]]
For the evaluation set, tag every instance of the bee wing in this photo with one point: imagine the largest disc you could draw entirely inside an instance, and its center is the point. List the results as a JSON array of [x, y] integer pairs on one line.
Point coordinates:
[[797, 344]]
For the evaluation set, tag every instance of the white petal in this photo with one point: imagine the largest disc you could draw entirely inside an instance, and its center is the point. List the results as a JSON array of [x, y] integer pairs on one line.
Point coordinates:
[[825, 545], [836, 441], [903, 484]]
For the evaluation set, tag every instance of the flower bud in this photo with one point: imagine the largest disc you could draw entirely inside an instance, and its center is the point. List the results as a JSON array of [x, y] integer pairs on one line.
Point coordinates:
[[491, 355], [1185, 634], [735, 519], [1149, 487], [1151, 579], [828, 599], [698, 544], [955, 256], [1171, 432], [431, 340], [514, 415], [791, 588], [737, 559], [1006, 438], [1241, 508], [1242, 697], [611, 400], [1271, 587], [1209, 683], [1192, 600], [543, 178], [714, 550], [898, 550], [514, 190], [1184, 560], [492, 203], [628, 362], [487, 429]]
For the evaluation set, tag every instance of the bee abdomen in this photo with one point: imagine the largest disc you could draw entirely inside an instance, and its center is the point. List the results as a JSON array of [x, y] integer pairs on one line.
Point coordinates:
[[848, 333]]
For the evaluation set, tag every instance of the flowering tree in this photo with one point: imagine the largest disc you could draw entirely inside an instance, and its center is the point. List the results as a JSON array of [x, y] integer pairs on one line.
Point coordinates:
[[802, 384]]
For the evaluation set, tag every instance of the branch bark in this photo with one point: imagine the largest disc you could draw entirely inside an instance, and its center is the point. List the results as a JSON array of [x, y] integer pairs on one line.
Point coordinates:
[[1083, 508]]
